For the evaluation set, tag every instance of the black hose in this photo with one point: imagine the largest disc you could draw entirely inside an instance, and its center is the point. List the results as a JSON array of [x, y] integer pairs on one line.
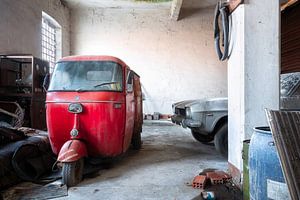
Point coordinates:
[[222, 9]]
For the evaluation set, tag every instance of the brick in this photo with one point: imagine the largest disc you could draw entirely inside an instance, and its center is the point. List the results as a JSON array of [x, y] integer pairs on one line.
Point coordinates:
[[199, 182], [215, 178], [226, 177]]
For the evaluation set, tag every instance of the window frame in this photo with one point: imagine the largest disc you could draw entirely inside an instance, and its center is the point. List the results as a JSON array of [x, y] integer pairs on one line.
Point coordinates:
[[51, 40]]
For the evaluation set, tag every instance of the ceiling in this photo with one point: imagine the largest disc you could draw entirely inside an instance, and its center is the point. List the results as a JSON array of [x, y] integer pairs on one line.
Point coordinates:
[[116, 4], [138, 3]]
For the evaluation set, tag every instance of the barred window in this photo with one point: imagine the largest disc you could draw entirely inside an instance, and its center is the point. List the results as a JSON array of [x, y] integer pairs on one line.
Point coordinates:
[[51, 50]]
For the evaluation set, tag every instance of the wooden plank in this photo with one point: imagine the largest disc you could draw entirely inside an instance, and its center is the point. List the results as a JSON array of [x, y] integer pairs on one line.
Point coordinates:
[[285, 127], [287, 4]]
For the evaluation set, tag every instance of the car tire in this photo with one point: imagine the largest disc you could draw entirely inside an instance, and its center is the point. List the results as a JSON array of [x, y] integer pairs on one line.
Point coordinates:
[[221, 140], [201, 137], [136, 141], [72, 172]]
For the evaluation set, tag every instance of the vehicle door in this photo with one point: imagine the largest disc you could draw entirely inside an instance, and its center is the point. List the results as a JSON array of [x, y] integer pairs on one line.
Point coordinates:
[[130, 109]]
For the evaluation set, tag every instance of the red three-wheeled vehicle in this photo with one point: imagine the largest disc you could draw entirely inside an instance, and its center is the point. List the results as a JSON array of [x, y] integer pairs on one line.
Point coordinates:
[[94, 110]]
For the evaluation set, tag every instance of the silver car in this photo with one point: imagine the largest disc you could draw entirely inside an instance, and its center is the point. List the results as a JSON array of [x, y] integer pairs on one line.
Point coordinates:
[[207, 119]]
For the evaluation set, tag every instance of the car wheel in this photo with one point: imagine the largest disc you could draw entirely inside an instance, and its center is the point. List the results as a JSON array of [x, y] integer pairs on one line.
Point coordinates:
[[136, 141], [72, 172], [221, 140], [201, 137]]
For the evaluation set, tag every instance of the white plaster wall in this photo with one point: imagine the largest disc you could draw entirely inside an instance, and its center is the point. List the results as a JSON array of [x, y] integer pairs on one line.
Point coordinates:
[[21, 21], [236, 92], [176, 60], [253, 71]]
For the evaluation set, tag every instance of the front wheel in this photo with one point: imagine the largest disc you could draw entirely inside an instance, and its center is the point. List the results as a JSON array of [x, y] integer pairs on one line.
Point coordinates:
[[72, 172], [201, 137], [221, 140]]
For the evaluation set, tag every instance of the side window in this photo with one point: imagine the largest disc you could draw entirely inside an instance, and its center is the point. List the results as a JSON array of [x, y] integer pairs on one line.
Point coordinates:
[[129, 82]]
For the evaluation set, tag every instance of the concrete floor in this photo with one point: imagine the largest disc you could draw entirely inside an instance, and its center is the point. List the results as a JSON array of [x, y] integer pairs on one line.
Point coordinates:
[[169, 159]]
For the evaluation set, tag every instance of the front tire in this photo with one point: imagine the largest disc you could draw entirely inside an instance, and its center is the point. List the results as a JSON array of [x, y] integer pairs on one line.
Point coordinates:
[[72, 172], [201, 137], [221, 140]]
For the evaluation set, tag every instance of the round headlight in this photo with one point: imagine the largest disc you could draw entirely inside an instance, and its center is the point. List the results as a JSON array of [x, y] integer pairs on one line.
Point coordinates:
[[75, 108], [188, 112]]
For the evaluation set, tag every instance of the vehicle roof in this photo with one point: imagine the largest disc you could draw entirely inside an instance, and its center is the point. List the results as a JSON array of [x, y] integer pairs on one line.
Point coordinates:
[[93, 58]]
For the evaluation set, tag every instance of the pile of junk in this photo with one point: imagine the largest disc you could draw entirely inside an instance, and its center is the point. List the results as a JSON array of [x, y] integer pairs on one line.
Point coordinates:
[[25, 153]]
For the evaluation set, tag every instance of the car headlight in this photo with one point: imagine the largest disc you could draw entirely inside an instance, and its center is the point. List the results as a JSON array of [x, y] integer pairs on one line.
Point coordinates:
[[188, 113], [75, 108]]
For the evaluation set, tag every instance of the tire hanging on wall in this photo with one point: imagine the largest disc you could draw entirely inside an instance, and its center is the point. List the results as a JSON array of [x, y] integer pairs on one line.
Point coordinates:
[[221, 9]]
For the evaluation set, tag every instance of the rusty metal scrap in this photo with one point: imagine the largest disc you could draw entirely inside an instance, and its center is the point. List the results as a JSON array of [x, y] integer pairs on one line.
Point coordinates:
[[14, 111], [285, 127]]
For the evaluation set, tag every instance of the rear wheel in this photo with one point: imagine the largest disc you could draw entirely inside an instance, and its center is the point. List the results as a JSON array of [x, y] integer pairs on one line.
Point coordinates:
[[221, 140], [72, 172], [201, 137], [136, 141]]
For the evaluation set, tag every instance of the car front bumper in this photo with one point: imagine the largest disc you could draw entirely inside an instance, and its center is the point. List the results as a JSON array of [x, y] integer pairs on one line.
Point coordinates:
[[177, 119], [191, 123]]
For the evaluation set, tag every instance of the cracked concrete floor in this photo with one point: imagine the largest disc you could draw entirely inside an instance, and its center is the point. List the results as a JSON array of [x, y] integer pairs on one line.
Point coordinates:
[[169, 158]]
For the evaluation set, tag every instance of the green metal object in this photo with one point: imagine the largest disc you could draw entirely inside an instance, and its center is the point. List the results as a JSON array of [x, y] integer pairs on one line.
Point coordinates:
[[246, 194]]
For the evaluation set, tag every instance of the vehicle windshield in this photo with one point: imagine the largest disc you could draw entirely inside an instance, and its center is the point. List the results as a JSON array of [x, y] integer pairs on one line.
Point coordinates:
[[86, 76]]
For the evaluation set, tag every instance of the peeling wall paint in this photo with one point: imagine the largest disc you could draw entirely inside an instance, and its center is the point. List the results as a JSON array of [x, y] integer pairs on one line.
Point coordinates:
[[176, 60], [21, 21]]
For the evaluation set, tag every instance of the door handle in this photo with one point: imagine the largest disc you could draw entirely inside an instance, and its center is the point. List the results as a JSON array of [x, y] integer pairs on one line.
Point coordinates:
[[117, 105]]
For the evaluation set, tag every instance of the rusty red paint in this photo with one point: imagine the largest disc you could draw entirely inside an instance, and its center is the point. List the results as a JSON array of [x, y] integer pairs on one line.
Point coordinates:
[[105, 131], [93, 58], [71, 151]]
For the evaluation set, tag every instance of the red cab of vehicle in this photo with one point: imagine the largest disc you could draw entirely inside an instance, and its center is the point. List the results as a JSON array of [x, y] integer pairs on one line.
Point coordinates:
[[94, 110]]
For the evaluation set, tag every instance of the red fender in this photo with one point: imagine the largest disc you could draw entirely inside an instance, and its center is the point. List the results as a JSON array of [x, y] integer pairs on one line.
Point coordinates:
[[72, 151]]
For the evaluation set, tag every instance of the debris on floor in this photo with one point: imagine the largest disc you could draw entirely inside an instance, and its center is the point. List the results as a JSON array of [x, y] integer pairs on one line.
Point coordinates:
[[29, 190], [215, 184], [26, 156]]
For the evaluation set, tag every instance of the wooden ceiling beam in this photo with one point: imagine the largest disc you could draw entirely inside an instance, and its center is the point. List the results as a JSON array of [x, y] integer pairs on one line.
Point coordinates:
[[287, 3]]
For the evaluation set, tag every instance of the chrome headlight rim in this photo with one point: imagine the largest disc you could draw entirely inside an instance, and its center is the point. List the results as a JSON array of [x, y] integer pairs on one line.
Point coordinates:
[[75, 108], [188, 113]]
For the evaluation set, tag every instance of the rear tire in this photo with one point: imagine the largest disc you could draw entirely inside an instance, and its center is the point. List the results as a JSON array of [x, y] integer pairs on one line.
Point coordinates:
[[221, 140], [72, 172], [136, 141], [201, 137]]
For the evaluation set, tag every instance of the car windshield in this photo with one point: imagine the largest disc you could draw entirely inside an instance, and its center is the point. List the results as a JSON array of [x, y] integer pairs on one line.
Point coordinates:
[[86, 76]]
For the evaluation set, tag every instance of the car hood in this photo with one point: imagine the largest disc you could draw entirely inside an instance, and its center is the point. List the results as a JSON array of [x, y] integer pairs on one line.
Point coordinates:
[[182, 104], [209, 104]]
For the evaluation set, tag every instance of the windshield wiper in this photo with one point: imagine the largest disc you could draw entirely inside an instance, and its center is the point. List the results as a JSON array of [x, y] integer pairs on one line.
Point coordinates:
[[79, 90], [106, 83]]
